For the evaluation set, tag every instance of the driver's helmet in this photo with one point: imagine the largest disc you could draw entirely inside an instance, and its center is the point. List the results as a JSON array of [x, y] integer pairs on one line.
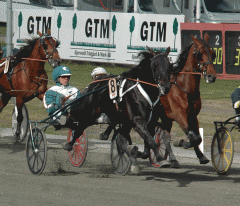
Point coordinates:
[[98, 71], [60, 71]]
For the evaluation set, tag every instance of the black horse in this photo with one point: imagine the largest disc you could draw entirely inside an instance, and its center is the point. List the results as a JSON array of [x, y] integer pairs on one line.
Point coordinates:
[[139, 88]]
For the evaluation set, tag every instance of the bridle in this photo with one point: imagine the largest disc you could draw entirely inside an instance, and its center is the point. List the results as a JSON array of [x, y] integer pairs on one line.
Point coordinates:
[[49, 53], [202, 67], [157, 79]]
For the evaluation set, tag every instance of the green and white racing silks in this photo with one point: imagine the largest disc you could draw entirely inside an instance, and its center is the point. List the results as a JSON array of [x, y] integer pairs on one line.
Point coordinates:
[[53, 97]]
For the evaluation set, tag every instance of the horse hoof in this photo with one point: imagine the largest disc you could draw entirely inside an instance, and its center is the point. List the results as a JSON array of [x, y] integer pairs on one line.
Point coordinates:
[[134, 150], [164, 164], [145, 155], [67, 146], [135, 169], [103, 136], [175, 164], [203, 160], [178, 143], [186, 145], [139, 154]]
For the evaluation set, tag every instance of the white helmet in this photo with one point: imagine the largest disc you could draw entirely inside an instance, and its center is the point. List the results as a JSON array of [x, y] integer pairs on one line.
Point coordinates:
[[98, 70]]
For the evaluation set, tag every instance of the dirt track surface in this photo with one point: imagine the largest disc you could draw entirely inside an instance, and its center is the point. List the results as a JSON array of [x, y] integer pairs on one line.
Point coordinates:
[[95, 183]]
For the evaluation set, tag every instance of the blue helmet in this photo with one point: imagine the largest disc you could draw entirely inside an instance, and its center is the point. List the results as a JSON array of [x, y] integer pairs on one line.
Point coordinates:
[[60, 71]]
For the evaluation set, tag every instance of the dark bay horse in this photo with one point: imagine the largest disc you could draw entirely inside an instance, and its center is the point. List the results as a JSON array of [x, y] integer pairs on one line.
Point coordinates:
[[24, 78], [139, 87], [183, 102]]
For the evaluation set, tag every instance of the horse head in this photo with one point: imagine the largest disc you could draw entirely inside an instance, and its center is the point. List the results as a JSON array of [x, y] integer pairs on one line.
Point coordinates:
[[161, 69], [49, 48], [204, 56]]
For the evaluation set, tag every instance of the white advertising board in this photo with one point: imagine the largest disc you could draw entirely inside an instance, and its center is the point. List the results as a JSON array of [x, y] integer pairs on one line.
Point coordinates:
[[100, 36]]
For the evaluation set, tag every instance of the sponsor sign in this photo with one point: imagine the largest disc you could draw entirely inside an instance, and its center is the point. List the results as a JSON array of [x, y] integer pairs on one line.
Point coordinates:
[[101, 36]]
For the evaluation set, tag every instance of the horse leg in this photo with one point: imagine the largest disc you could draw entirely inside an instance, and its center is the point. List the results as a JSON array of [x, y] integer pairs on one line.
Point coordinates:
[[4, 100], [125, 143], [19, 105], [172, 158], [192, 132], [166, 139], [142, 129], [77, 133], [104, 135]]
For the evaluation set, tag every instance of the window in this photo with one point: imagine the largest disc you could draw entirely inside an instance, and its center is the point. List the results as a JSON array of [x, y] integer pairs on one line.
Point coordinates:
[[186, 4], [166, 3], [118, 2]]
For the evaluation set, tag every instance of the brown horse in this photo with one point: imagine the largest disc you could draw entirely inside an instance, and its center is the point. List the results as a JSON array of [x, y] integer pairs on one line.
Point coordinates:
[[183, 102], [25, 78]]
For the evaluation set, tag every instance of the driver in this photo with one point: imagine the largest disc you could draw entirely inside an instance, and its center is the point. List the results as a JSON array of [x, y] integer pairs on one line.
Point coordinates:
[[62, 93]]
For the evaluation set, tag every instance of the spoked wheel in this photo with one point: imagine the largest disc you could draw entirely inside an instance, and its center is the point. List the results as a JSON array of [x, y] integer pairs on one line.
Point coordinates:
[[120, 160], [36, 151], [78, 154], [161, 147], [25, 122], [222, 151]]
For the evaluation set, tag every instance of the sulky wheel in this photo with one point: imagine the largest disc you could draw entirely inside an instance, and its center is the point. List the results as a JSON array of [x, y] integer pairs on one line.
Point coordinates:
[[78, 154], [222, 151], [119, 159], [161, 147], [25, 122], [36, 151]]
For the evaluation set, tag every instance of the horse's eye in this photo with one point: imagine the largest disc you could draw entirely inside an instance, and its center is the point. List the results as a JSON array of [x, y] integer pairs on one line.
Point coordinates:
[[199, 56], [44, 45]]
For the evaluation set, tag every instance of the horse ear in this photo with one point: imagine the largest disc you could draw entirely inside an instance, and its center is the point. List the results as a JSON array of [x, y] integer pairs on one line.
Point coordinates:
[[195, 40], [151, 51], [49, 32], [206, 37], [167, 51], [40, 34]]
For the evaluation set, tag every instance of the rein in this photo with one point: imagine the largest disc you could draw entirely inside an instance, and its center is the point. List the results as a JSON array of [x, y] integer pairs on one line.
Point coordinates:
[[40, 60], [136, 80]]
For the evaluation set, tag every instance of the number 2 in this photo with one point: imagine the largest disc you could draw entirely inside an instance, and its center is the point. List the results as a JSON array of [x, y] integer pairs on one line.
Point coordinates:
[[217, 40]]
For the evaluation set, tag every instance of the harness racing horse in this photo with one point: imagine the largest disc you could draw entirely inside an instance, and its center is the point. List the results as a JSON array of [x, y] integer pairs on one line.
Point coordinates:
[[24, 78], [183, 102], [139, 87]]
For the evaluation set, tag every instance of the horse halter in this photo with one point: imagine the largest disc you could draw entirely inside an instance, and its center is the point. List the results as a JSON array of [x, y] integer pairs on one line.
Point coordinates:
[[49, 56], [198, 54], [157, 79]]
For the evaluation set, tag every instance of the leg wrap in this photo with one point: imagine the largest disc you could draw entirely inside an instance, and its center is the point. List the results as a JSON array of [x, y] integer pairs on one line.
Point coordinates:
[[194, 139]]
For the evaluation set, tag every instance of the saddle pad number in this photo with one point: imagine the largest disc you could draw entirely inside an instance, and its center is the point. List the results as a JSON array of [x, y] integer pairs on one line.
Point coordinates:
[[112, 84]]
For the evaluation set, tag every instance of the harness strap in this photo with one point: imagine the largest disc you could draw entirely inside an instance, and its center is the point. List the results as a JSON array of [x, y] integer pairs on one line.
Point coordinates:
[[146, 96], [2, 63], [121, 93], [142, 91]]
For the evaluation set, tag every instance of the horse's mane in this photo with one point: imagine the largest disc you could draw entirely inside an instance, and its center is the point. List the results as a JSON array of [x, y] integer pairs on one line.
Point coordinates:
[[26, 50], [181, 61], [137, 71]]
